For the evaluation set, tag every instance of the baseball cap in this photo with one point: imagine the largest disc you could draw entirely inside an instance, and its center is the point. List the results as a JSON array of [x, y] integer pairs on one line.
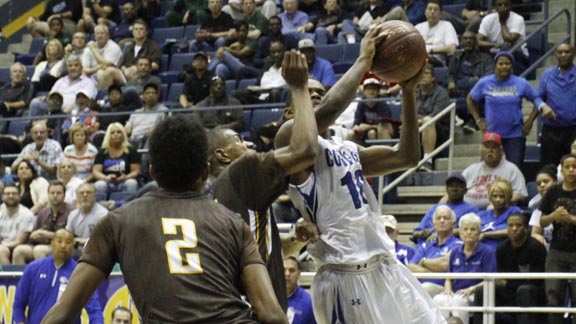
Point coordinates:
[[456, 176], [390, 221], [491, 137], [203, 54], [373, 81], [306, 43], [85, 93]]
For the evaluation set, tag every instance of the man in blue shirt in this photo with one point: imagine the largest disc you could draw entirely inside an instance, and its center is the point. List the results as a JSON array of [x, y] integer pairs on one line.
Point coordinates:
[[558, 88], [299, 300], [319, 68], [44, 281], [433, 256]]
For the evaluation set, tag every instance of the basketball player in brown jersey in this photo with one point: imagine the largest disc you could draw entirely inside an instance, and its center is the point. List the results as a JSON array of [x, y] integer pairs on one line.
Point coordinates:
[[184, 258]]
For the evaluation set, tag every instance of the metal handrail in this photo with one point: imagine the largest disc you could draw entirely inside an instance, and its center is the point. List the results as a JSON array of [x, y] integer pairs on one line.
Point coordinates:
[[450, 109], [489, 309]]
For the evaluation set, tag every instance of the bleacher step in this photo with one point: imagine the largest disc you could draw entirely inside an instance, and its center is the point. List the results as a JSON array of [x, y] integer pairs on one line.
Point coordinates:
[[406, 212], [421, 191], [458, 163]]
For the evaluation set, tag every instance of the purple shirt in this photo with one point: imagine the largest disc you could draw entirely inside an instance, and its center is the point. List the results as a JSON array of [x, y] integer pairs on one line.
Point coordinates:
[[292, 22]]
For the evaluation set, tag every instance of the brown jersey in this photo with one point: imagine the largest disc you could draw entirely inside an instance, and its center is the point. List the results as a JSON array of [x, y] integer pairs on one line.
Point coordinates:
[[249, 186], [181, 255]]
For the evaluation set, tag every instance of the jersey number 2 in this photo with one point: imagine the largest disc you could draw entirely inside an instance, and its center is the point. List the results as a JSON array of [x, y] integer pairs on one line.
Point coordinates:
[[174, 247], [356, 188]]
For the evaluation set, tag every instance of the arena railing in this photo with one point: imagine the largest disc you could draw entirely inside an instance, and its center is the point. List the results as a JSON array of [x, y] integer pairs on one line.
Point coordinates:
[[449, 143], [488, 308]]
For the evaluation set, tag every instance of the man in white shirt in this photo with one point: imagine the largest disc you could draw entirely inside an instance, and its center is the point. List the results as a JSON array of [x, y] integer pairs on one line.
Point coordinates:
[[440, 36], [501, 30], [16, 222], [101, 57]]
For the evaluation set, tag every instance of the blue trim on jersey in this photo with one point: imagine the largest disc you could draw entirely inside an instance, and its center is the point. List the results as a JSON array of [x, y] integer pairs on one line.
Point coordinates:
[[311, 200], [337, 312]]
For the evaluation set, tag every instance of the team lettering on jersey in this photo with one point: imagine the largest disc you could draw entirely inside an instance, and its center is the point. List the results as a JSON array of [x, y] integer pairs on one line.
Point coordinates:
[[341, 158], [505, 91]]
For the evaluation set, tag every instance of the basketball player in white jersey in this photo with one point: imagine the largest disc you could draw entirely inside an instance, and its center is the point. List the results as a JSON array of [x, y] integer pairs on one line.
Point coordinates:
[[359, 279]]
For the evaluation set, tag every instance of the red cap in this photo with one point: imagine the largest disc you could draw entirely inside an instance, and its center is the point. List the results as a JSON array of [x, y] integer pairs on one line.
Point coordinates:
[[492, 137]]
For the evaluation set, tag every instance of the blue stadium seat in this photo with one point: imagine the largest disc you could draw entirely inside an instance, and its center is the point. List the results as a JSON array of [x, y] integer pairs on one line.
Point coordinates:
[[350, 52], [331, 52], [37, 45], [29, 71], [441, 76], [165, 6], [230, 86], [262, 117], [5, 74], [341, 67], [454, 9], [159, 22], [161, 35], [175, 92], [17, 127], [13, 267], [165, 61], [247, 120], [532, 153], [163, 92], [244, 83], [178, 60], [536, 46], [190, 31]]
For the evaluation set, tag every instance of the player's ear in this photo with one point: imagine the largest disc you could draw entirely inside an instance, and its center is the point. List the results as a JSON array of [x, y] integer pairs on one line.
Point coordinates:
[[222, 156]]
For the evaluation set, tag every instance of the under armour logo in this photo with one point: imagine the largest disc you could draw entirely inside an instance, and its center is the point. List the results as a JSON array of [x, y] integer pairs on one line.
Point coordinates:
[[356, 301], [360, 266], [42, 276]]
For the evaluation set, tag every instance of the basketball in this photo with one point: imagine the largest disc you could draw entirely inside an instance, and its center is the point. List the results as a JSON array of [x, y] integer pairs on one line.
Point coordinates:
[[401, 55]]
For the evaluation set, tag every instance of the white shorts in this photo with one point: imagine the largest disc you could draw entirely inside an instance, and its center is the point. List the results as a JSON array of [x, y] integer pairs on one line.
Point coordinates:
[[379, 291]]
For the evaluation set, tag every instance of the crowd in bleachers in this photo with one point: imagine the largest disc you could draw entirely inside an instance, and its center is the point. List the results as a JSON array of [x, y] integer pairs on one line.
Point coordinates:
[[100, 75]]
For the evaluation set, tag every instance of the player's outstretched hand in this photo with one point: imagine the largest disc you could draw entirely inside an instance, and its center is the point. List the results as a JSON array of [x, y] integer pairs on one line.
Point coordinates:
[[295, 69], [413, 82], [372, 38]]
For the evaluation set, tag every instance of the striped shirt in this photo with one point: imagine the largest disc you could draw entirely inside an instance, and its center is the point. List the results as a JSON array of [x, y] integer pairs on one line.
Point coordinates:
[[83, 162]]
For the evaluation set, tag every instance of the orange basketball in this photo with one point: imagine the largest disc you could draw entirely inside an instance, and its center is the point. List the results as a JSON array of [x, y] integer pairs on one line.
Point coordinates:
[[402, 54]]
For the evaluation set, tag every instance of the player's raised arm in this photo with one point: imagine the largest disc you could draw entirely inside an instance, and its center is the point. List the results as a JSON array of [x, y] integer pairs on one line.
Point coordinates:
[[84, 281], [302, 150], [343, 92], [379, 159]]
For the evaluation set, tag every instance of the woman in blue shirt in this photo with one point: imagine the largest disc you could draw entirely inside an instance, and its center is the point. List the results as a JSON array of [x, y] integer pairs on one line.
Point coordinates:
[[494, 220]]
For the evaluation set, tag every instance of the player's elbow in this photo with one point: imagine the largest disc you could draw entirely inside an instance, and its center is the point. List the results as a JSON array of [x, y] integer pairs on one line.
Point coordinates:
[[306, 154]]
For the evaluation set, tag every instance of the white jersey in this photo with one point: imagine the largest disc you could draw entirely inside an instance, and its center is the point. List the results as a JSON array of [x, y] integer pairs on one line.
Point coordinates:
[[337, 198]]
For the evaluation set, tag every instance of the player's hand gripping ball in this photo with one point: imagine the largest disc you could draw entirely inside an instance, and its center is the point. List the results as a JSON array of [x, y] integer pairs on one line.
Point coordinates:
[[401, 54]]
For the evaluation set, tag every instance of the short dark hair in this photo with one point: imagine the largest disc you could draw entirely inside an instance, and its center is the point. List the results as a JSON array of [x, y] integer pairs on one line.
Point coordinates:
[[141, 22], [565, 157], [178, 152], [11, 185], [435, 2], [54, 183], [293, 258], [522, 216], [151, 85], [550, 170], [121, 308]]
